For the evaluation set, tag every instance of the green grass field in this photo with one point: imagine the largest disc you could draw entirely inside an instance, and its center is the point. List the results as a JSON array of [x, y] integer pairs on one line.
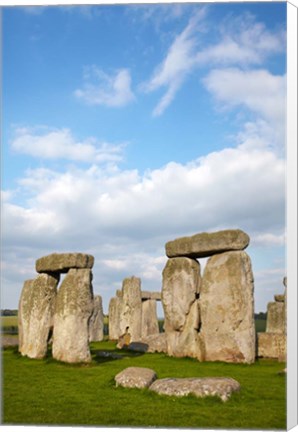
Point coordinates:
[[46, 392]]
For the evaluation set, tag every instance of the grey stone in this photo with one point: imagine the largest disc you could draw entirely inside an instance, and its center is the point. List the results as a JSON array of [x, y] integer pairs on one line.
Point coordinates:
[[272, 345], [275, 317], [74, 307], [207, 244], [114, 317], [135, 377], [96, 322], [36, 311], [130, 308], [151, 344], [279, 298], [200, 387], [62, 262], [151, 295], [149, 318], [227, 309], [180, 286]]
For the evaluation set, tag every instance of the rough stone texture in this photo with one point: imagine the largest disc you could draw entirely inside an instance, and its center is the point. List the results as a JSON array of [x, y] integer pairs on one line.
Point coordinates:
[[272, 345], [227, 309], [279, 297], [207, 244], [150, 344], [200, 387], [36, 311], [62, 262], [149, 318], [96, 323], [74, 307], [180, 286], [275, 317], [114, 330], [135, 377], [130, 308], [151, 295]]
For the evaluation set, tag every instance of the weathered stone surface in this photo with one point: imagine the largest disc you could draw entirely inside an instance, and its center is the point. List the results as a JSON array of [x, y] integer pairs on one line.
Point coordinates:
[[135, 377], [200, 387], [180, 286], [272, 345], [227, 308], [96, 320], [130, 308], [149, 318], [151, 295], [74, 307], [150, 344], [114, 329], [62, 262], [275, 317], [36, 311], [279, 298], [124, 340], [207, 244]]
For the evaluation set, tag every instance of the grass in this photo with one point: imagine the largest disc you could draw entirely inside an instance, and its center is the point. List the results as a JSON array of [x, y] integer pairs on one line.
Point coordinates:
[[46, 392]]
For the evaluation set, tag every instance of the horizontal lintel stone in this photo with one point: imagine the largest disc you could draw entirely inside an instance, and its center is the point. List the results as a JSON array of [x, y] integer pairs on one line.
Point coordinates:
[[62, 262]]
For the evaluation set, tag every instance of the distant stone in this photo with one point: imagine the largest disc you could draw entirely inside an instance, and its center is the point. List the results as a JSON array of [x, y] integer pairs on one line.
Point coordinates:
[[62, 262], [151, 344], [114, 309], [207, 244], [227, 308], [73, 310], [272, 345], [135, 377], [149, 318], [130, 308], [279, 298], [275, 317], [151, 295], [200, 387], [36, 312], [96, 323]]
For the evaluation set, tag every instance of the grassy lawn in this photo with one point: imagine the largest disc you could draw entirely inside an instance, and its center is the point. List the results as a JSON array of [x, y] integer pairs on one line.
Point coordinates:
[[45, 392]]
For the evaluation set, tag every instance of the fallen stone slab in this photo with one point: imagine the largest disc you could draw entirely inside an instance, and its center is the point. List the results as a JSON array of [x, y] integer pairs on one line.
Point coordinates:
[[207, 244], [62, 262], [135, 377], [200, 387]]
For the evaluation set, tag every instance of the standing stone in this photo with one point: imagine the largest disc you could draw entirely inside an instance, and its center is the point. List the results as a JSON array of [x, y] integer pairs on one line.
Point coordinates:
[[96, 323], [114, 317], [275, 317], [130, 309], [180, 290], [227, 308], [36, 311], [74, 307], [149, 318], [207, 244]]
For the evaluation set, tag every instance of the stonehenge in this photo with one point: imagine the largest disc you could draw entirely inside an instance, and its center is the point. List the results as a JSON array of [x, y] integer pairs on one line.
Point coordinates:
[[209, 317], [70, 315], [273, 342]]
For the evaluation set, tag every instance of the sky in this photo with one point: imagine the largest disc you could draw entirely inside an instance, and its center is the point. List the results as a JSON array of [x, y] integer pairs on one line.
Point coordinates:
[[126, 126]]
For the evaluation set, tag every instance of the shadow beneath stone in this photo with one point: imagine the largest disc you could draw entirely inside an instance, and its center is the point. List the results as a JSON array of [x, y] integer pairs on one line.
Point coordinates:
[[103, 356]]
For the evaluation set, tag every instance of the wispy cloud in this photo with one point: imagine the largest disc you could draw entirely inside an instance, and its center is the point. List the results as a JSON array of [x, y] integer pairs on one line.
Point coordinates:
[[100, 88], [46, 143]]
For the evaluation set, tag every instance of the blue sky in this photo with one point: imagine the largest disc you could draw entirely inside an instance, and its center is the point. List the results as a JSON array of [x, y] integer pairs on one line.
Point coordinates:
[[127, 126]]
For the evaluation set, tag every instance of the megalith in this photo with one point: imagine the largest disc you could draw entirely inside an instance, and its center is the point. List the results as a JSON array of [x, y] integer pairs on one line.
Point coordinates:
[[149, 318], [36, 312], [114, 318], [180, 292], [96, 321], [227, 308], [130, 308], [74, 306], [62, 262]]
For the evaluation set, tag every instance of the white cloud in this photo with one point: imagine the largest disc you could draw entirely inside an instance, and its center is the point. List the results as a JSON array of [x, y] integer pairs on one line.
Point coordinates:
[[48, 143], [100, 88]]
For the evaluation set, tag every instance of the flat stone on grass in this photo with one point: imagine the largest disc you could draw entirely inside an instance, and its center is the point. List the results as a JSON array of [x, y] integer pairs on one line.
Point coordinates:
[[135, 377], [200, 387]]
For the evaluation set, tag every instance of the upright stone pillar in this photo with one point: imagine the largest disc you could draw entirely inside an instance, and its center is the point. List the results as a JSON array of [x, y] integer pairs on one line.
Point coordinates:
[[149, 318], [130, 313], [36, 311], [114, 316], [227, 308], [74, 307], [96, 322]]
